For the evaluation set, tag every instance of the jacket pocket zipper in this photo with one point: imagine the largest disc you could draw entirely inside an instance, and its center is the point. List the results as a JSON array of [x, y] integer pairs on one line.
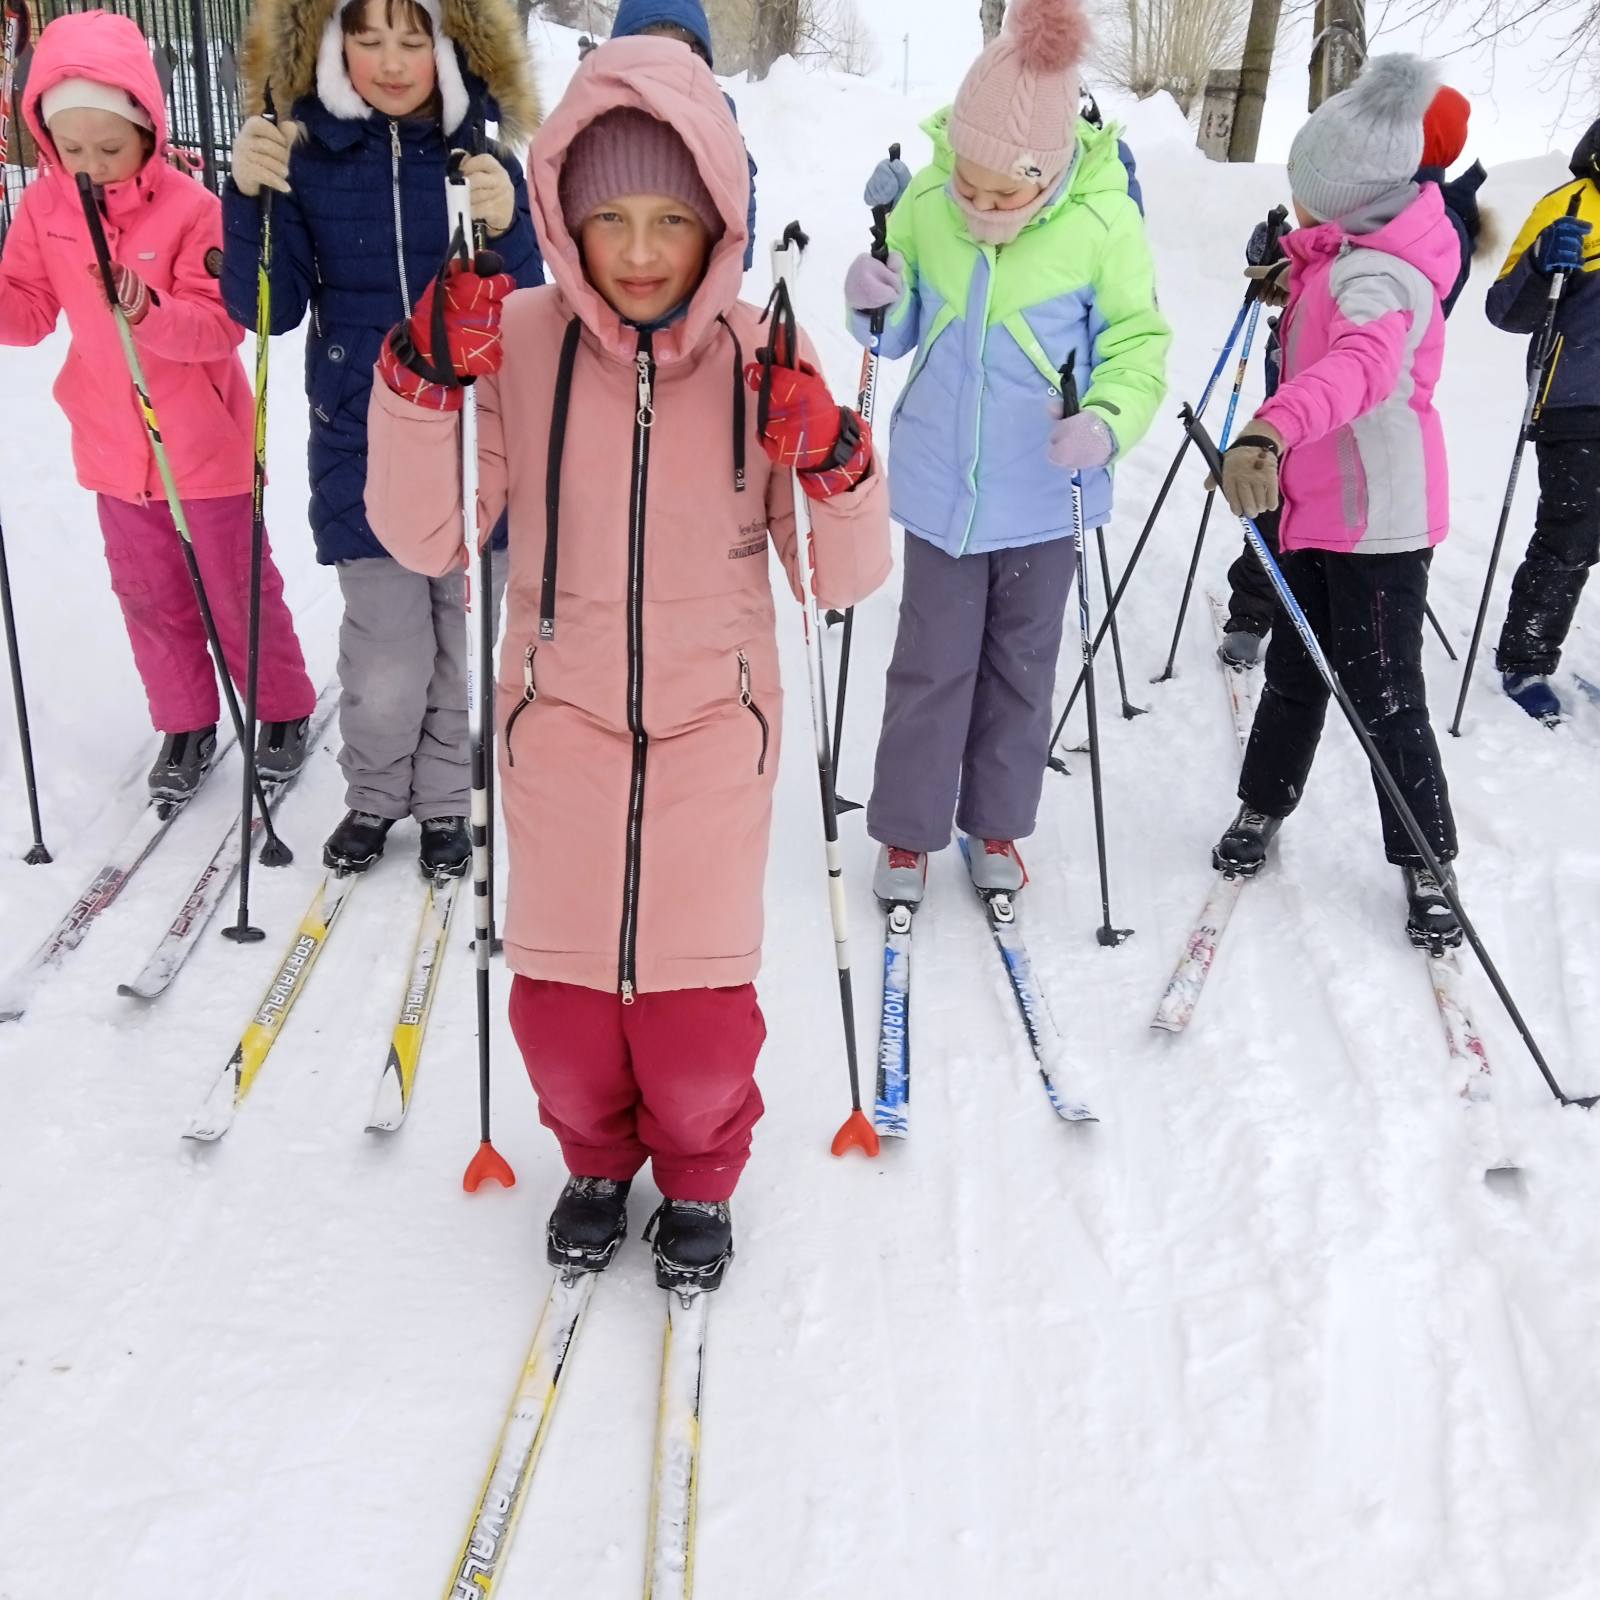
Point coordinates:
[[748, 701], [529, 695]]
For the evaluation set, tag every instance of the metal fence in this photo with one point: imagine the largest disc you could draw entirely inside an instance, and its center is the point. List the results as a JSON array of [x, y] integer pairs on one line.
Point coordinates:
[[194, 44]]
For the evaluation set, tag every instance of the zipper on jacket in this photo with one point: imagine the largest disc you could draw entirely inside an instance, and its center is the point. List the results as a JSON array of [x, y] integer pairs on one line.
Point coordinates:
[[992, 262], [529, 695], [748, 701], [644, 418], [399, 218]]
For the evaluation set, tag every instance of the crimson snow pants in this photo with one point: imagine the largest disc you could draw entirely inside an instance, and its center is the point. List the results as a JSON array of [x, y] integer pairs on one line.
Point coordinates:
[[151, 581], [669, 1079]]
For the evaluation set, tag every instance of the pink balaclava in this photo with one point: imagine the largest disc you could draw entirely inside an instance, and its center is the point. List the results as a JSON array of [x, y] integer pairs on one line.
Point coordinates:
[[1018, 106]]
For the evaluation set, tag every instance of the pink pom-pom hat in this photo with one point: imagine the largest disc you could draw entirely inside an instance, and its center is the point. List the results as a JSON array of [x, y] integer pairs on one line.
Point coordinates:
[[1018, 106]]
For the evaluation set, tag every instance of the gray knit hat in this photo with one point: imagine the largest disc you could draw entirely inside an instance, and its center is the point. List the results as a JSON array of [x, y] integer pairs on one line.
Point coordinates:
[[1365, 142]]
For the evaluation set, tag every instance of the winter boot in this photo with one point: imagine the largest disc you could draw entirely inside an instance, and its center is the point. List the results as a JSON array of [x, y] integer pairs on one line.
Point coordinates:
[[694, 1243], [901, 877], [589, 1222], [1242, 851], [997, 868], [184, 761], [281, 749], [1431, 924], [1532, 691], [1239, 650], [446, 849], [357, 842]]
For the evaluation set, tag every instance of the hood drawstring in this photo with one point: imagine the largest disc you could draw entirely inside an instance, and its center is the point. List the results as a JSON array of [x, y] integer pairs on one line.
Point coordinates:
[[738, 407], [552, 483]]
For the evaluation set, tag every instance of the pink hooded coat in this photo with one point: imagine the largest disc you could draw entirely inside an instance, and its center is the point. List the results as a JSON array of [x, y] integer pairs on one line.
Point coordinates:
[[1365, 470], [162, 225], [639, 716]]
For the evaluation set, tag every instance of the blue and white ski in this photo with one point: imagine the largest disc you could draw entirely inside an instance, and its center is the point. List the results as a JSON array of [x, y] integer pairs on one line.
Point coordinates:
[[891, 1115]]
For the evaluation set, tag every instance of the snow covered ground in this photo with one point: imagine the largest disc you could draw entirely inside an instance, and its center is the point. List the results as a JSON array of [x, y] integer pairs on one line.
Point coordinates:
[[1264, 1331]]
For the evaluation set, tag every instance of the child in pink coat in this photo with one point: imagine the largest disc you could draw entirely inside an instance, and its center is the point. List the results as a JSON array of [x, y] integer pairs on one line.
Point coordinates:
[[94, 105], [640, 703], [1353, 448]]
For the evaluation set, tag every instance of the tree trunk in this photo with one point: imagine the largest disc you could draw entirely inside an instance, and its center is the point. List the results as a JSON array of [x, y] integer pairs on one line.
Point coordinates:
[[775, 32], [992, 14], [1260, 45], [1340, 47]]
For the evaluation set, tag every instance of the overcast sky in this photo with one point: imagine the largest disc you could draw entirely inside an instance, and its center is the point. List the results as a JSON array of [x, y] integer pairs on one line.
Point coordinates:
[[1521, 106]]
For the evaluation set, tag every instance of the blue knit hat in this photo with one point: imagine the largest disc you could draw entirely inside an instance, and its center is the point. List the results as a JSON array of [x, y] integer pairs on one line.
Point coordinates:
[[634, 16]]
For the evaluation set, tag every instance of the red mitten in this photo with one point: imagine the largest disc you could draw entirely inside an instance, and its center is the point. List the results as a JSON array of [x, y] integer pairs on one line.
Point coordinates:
[[457, 319], [826, 443]]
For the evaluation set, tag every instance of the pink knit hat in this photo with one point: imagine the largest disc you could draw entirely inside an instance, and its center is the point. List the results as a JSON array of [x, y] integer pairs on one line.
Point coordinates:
[[630, 152], [1018, 106]]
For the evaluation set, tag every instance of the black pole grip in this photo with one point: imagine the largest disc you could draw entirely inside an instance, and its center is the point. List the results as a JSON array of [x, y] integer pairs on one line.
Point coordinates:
[[97, 236], [1069, 387]]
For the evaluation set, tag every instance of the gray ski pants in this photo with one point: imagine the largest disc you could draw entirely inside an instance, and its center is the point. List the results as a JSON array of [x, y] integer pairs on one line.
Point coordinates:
[[403, 677], [967, 705]]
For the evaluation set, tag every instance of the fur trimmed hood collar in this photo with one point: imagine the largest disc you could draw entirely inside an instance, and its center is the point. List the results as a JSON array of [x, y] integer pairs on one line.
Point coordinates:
[[297, 47]]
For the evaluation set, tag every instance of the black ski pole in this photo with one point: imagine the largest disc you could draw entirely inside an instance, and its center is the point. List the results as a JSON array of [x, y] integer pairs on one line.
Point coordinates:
[[1107, 934], [38, 855], [1543, 351], [1129, 710], [1380, 769], [275, 853], [1438, 628], [866, 401], [1055, 762], [242, 932], [1275, 221]]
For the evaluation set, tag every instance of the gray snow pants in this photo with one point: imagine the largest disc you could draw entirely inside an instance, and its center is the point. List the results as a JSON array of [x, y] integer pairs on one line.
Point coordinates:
[[967, 704], [403, 677]]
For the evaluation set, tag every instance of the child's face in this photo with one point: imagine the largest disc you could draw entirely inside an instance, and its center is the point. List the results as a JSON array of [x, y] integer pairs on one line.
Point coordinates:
[[645, 253], [985, 190], [390, 59], [108, 147]]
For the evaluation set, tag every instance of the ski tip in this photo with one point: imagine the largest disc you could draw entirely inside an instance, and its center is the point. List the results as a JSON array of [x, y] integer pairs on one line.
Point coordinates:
[[488, 1166], [1075, 1111], [131, 991], [856, 1134]]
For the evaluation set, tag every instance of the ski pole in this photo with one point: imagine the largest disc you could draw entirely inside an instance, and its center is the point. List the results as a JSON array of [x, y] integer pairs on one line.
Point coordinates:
[[1438, 628], [1056, 762], [17, 26], [866, 400], [1129, 710], [487, 1164], [242, 932], [1275, 223], [275, 853], [787, 255], [38, 855], [1543, 352], [1106, 934], [1380, 768]]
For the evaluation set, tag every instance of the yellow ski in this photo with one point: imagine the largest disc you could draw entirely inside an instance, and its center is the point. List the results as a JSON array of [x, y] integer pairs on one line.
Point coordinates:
[[422, 981]]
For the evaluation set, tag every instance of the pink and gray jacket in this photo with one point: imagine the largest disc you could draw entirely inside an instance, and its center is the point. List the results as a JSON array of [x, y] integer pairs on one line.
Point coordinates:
[[1364, 469]]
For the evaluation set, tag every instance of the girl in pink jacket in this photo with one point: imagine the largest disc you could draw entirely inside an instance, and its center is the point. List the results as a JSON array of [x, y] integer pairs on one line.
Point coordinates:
[[639, 697], [94, 104], [1353, 447]]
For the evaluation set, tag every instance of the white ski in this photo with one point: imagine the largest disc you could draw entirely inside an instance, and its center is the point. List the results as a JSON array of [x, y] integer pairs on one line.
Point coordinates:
[[675, 1483], [399, 1078], [1184, 988]]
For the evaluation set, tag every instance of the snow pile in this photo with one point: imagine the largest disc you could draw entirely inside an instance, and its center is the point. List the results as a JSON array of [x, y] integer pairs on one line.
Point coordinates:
[[1262, 1331]]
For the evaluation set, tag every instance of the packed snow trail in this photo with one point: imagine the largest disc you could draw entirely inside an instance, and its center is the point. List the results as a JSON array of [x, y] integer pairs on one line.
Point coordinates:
[[1262, 1331]]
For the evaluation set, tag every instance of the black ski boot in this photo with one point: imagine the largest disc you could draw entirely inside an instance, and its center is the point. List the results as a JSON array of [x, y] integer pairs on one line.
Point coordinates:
[[1242, 851], [281, 749], [1431, 924], [181, 767], [446, 849], [589, 1222], [694, 1243], [357, 842]]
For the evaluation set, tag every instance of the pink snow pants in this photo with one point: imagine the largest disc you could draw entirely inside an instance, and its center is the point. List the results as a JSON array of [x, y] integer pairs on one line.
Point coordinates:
[[151, 581], [669, 1079]]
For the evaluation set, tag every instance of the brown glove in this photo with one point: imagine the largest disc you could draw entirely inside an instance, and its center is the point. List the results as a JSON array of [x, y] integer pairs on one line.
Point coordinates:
[[1250, 471], [1272, 282]]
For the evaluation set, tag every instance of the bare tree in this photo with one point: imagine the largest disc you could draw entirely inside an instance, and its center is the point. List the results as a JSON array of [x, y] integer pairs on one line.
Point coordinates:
[[992, 14], [1151, 45], [1260, 45], [775, 31], [1570, 29], [1338, 47]]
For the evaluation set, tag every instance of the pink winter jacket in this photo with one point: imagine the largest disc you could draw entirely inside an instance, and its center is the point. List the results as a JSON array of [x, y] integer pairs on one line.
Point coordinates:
[[639, 695], [163, 226], [1364, 470]]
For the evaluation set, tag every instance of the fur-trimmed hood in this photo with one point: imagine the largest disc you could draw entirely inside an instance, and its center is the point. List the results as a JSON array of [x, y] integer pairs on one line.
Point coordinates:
[[285, 39]]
